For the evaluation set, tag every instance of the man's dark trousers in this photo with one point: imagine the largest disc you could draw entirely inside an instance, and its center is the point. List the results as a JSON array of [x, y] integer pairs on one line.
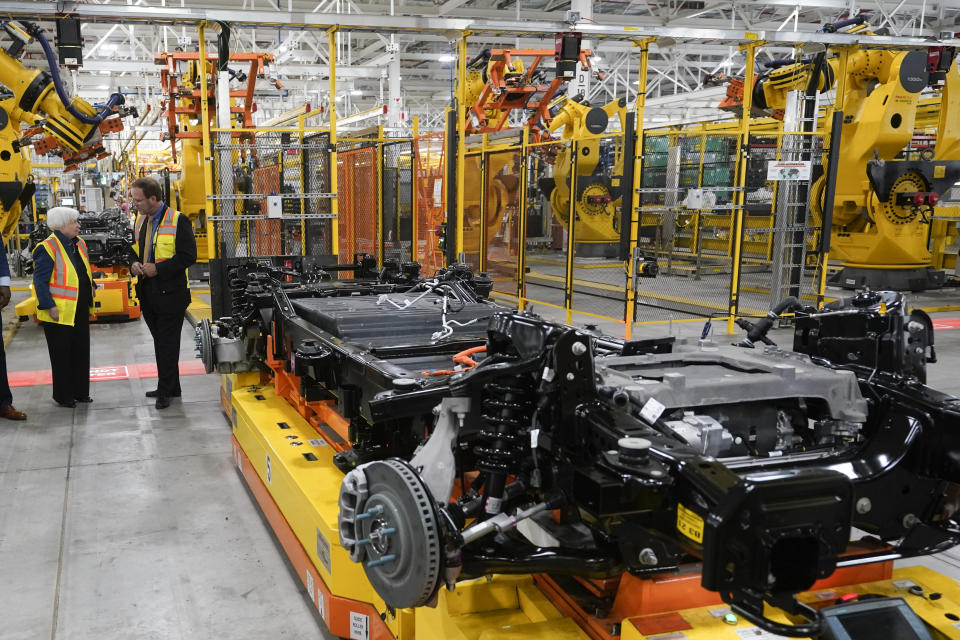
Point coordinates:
[[6, 397], [165, 326]]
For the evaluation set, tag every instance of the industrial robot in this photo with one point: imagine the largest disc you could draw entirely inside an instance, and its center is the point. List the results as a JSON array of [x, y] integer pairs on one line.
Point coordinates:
[[498, 83], [56, 123], [599, 170], [35, 98], [885, 196]]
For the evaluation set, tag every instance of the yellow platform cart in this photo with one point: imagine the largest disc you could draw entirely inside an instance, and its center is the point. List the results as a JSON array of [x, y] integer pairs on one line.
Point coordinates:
[[115, 297], [284, 453]]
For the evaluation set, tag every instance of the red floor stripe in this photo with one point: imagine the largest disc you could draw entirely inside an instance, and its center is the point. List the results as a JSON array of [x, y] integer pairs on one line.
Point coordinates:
[[946, 323], [103, 374]]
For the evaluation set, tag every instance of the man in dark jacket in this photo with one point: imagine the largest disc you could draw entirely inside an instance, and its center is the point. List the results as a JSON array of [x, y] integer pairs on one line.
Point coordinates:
[[164, 247], [6, 397]]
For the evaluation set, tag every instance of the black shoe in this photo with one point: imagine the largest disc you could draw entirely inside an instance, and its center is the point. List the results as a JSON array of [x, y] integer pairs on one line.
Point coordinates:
[[69, 404], [162, 402], [84, 399], [156, 394]]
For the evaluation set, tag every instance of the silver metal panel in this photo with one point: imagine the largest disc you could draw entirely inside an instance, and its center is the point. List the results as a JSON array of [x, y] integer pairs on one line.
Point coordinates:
[[690, 378]]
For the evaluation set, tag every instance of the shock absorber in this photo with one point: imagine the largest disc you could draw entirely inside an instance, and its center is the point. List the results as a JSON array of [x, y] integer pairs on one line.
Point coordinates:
[[507, 407]]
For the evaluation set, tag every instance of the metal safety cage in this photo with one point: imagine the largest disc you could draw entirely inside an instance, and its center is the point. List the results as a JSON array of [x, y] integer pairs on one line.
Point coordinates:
[[475, 207], [548, 260], [492, 201], [397, 202], [273, 196], [687, 205], [358, 196], [780, 238], [429, 201]]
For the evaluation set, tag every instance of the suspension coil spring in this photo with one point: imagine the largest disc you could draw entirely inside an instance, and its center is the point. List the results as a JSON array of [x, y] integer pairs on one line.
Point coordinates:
[[241, 284], [506, 410]]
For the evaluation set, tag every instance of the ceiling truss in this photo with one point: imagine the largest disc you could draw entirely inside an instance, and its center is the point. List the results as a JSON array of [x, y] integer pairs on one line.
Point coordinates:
[[122, 36]]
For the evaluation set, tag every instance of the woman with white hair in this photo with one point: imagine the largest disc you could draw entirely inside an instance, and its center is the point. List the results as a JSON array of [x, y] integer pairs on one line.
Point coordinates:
[[63, 284]]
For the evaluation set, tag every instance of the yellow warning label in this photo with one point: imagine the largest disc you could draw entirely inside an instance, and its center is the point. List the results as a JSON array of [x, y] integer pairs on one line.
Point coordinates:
[[940, 171], [689, 523], [750, 35]]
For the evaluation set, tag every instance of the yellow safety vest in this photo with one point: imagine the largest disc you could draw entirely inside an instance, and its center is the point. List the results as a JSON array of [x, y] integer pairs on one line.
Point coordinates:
[[64, 281], [164, 240]]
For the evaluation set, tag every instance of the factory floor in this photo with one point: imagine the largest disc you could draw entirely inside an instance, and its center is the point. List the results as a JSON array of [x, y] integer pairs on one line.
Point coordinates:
[[121, 521]]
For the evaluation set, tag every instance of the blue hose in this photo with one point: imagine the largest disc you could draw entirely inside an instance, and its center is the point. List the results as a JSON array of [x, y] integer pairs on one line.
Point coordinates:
[[107, 110]]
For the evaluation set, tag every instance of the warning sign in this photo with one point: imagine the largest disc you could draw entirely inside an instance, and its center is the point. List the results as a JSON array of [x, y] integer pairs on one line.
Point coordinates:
[[689, 523], [100, 374]]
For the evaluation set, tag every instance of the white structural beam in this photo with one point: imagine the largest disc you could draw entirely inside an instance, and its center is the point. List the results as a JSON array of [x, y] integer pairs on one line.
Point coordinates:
[[414, 24]]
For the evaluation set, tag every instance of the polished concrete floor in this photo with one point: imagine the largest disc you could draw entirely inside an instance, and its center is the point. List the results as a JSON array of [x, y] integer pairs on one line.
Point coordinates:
[[118, 521]]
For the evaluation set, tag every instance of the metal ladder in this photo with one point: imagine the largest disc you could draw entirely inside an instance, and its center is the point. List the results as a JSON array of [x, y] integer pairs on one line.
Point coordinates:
[[791, 216]]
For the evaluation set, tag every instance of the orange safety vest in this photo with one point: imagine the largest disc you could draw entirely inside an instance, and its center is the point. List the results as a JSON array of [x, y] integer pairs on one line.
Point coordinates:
[[64, 281]]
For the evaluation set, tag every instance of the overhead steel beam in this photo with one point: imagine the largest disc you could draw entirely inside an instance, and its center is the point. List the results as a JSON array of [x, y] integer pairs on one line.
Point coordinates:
[[451, 27]]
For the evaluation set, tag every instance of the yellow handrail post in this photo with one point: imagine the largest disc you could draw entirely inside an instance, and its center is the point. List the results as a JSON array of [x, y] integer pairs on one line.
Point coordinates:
[[205, 138], [522, 225], [838, 102], [461, 135], [301, 125], [736, 229], [334, 208], [484, 176], [571, 226], [414, 188], [634, 215], [379, 231]]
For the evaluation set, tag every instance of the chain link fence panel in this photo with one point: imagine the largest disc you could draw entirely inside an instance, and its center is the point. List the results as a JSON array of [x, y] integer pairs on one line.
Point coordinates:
[[272, 196], [429, 200], [397, 209], [687, 206], [358, 198]]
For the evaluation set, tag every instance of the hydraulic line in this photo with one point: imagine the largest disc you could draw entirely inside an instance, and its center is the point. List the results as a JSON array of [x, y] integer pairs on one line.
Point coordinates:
[[114, 100]]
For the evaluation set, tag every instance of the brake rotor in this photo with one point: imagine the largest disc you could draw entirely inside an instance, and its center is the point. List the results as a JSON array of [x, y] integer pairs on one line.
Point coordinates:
[[204, 340], [400, 536]]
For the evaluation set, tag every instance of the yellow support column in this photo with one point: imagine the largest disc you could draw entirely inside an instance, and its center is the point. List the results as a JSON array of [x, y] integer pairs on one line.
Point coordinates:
[[461, 136], [301, 125], [522, 232], [482, 257], [840, 93], [571, 232], [205, 138], [634, 216], [379, 195], [334, 209], [736, 229], [414, 187]]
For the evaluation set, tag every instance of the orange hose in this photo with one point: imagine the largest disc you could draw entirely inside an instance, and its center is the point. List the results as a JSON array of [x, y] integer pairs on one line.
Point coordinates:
[[464, 356], [461, 358]]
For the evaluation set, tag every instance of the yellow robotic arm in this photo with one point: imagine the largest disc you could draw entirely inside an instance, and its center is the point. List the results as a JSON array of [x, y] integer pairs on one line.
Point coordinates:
[[599, 170], [34, 97], [16, 188], [884, 202], [33, 93], [73, 123]]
